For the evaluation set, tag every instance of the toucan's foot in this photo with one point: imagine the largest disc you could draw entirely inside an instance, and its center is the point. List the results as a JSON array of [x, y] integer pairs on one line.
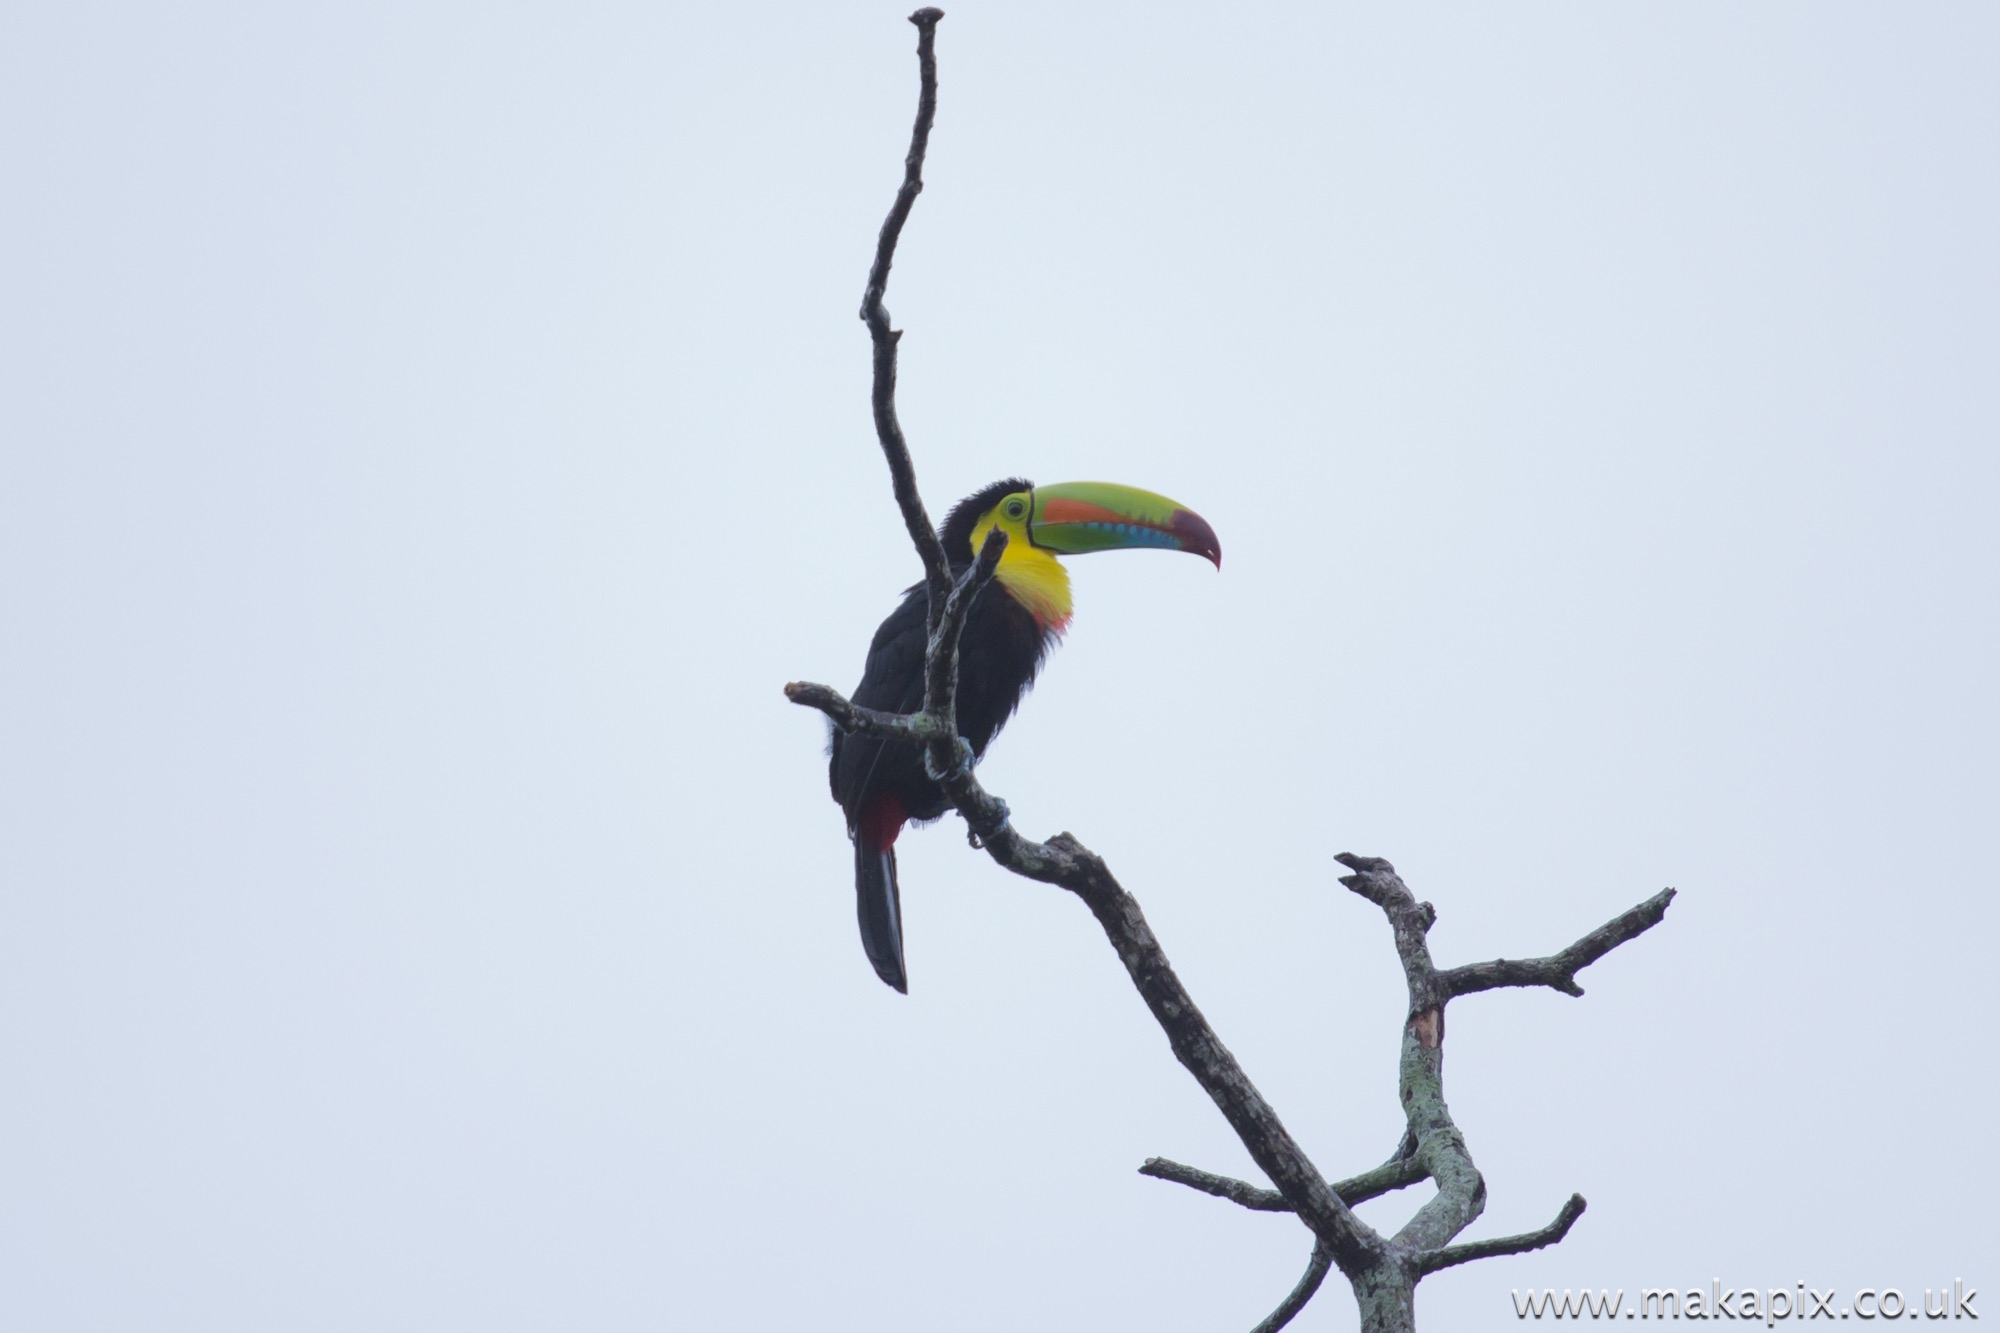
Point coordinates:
[[978, 839], [962, 761]]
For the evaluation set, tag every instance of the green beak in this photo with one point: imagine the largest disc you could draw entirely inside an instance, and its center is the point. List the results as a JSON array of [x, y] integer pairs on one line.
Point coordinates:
[[1075, 517]]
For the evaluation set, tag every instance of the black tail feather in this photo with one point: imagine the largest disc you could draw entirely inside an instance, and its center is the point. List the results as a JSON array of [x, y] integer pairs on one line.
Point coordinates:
[[880, 906]]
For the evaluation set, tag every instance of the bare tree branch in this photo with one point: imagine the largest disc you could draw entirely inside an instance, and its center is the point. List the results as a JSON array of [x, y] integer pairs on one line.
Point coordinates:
[[1522, 1244], [1558, 971], [1394, 1174], [1383, 1272], [1354, 1243], [1254, 1197], [1288, 1309], [1062, 860], [915, 727], [1440, 1148], [941, 651], [903, 472]]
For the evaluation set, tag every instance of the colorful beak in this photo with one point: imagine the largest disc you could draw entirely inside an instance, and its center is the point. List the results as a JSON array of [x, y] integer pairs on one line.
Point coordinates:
[[1076, 517]]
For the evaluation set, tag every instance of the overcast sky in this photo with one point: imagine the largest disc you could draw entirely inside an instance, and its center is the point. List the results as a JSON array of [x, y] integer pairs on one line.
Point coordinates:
[[431, 435]]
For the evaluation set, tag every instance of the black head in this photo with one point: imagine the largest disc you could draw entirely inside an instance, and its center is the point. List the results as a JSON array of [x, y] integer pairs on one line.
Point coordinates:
[[956, 534]]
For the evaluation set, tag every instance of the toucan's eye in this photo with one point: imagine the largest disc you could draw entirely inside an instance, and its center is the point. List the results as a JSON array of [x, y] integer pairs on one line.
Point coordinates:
[[1016, 508]]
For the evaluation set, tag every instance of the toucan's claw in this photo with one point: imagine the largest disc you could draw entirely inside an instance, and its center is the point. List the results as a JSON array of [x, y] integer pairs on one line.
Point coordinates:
[[961, 767]]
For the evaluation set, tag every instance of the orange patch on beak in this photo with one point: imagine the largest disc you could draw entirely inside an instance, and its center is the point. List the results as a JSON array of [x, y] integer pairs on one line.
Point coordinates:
[[1079, 511]]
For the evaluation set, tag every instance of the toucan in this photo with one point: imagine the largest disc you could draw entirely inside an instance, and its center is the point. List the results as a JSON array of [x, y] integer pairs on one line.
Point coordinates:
[[1016, 619]]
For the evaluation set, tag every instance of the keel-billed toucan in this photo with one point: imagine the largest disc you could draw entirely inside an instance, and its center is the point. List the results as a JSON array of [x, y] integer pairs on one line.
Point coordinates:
[[1015, 621]]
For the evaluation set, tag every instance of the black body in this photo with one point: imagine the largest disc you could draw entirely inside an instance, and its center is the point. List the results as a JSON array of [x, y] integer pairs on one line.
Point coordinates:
[[880, 784]]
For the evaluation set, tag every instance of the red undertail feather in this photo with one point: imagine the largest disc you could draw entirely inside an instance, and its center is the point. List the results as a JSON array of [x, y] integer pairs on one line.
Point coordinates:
[[882, 818]]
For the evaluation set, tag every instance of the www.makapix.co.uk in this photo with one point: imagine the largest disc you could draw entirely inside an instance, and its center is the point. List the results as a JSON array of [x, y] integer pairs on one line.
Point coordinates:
[[1769, 1304]]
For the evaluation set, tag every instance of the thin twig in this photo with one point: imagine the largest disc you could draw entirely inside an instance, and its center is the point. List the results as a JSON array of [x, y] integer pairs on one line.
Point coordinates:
[[852, 717], [1394, 1174], [903, 472], [1254, 1197], [1322, 1259], [1487, 1249], [941, 651], [1558, 971]]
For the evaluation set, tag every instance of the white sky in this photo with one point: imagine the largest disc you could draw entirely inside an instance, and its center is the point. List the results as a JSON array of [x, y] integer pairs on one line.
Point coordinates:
[[432, 435]]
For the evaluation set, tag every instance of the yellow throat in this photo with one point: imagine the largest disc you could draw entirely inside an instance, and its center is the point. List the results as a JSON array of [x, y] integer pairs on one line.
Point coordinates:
[[1032, 576]]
